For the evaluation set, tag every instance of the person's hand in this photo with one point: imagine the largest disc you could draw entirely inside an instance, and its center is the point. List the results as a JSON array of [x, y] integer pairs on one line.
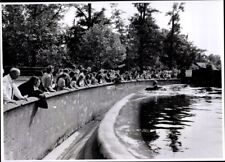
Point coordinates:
[[42, 95], [66, 88], [11, 101], [51, 90], [46, 93], [76, 87], [25, 98]]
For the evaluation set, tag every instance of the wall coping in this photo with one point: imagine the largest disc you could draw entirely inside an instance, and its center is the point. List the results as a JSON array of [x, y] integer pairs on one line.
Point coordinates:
[[31, 100], [110, 145]]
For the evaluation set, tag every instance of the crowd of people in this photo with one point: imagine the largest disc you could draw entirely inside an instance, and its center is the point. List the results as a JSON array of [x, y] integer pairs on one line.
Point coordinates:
[[53, 79]]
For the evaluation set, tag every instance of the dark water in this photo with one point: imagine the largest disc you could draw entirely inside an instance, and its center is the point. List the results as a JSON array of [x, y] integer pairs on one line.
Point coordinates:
[[183, 126], [166, 113]]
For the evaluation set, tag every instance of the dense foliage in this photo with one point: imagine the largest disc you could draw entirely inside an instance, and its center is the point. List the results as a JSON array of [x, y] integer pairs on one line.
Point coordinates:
[[33, 37]]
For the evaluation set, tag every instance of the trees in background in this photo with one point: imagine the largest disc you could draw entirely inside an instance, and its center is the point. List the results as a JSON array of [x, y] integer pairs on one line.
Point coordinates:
[[144, 38], [215, 60], [86, 17], [172, 39], [73, 39], [12, 31], [118, 23], [32, 36], [102, 48], [179, 52]]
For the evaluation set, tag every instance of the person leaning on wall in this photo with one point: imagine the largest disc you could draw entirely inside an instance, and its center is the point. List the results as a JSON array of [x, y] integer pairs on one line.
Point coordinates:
[[10, 90], [31, 88]]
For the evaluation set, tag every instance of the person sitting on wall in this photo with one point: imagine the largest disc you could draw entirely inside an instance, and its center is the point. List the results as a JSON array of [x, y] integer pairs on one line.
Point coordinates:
[[47, 79], [66, 71], [99, 77], [107, 77], [31, 88], [73, 83], [61, 82], [117, 79], [81, 81], [74, 79], [71, 74], [88, 79], [154, 87], [94, 81], [10, 90]]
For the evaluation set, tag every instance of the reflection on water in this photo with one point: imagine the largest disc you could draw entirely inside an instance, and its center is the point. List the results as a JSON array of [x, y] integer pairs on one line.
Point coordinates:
[[183, 124], [168, 113]]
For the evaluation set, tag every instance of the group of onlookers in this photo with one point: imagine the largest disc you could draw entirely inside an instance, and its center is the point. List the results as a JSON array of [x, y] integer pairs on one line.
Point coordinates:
[[64, 79], [68, 78], [30, 88]]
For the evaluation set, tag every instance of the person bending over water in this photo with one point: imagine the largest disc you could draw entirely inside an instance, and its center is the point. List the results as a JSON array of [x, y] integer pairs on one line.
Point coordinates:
[[31, 89]]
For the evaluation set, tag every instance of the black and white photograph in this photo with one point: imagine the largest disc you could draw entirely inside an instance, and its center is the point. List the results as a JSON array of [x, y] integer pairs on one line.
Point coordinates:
[[112, 80]]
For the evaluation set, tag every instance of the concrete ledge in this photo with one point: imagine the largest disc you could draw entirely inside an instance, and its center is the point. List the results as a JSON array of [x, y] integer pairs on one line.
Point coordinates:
[[110, 145], [28, 138], [119, 133], [31, 100], [11, 106]]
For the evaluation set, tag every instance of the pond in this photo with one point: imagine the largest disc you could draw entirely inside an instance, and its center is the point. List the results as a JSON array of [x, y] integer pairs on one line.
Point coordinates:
[[186, 123]]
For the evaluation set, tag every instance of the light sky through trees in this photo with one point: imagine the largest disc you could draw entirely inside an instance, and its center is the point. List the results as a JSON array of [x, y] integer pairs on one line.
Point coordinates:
[[201, 20]]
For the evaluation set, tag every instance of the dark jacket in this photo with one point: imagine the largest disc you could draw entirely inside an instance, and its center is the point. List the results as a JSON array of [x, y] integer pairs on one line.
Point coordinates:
[[28, 89]]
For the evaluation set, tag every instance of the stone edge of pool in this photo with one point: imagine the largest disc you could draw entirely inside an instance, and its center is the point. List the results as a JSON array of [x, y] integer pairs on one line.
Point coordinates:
[[110, 145]]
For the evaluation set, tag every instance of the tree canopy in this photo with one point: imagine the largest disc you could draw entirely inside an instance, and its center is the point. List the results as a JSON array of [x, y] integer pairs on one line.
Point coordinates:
[[33, 36]]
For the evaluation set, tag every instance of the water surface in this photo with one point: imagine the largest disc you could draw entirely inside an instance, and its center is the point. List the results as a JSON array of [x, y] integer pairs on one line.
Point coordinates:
[[186, 124]]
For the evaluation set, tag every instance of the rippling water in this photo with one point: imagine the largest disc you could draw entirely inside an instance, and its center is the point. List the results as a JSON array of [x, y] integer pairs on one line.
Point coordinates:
[[185, 123]]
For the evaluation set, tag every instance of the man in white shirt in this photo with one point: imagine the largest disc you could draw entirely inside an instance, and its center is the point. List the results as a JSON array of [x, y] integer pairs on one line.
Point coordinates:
[[9, 87]]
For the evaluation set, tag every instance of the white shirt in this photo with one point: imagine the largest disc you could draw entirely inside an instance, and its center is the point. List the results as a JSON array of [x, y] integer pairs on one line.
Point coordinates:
[[10, 89]]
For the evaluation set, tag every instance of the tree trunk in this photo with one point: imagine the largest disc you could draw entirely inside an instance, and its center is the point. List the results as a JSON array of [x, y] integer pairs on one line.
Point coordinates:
[[140, 51], [171, 45], [34, 58], [89, 15]]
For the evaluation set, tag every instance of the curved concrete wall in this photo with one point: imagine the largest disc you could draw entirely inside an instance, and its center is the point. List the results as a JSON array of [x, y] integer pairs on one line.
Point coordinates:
[[68, 110], [119, 133]]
